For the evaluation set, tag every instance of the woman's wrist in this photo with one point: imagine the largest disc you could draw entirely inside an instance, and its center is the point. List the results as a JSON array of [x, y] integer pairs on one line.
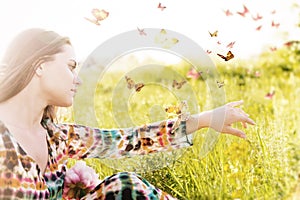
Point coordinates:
[[198, 121]]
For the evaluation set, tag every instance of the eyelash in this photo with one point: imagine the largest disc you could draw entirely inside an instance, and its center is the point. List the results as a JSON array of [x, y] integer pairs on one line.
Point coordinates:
[[72, 68]]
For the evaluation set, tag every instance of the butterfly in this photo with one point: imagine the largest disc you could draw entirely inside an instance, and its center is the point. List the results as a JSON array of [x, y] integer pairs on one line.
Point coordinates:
[[228, 12], [270, 95], [194, 74], [131, 84], [180, 111], [276, 25], [178, 85], [258, 28], [290, 43], [161, 7], [98, 15], [214, 34], [230, 45], [257, 17], [228, 56], [141, 31], [208, 51], [163, 39], [245, 11], [273, 48], [257, 74], [220, 84]]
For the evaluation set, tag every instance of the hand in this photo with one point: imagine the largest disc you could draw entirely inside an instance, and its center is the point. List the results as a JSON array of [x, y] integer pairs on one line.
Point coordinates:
[[223, 117]]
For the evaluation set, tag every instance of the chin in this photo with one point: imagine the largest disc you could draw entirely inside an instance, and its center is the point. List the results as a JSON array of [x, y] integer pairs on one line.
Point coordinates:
[[65, 104]]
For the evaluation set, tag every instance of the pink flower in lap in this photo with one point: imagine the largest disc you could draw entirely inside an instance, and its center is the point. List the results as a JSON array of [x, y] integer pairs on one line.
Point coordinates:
[[79, 180]]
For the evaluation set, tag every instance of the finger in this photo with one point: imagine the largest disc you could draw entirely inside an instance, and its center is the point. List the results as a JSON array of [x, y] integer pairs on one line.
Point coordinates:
[[244, 124], [249, 121], [235, 103], [242, 111], [236, 132]]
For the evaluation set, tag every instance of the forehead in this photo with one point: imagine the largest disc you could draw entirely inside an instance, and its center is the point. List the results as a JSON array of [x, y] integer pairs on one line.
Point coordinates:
[[66, 54], [68, 51]]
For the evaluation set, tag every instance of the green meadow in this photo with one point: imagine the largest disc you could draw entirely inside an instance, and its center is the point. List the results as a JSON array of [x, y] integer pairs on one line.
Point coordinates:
[[264, 166]]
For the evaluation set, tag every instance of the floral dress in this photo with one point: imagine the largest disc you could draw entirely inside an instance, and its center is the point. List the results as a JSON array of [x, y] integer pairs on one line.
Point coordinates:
[[21, 177]]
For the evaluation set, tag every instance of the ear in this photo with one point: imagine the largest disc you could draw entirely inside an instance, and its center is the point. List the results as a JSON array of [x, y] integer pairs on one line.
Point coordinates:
[[39, 70]]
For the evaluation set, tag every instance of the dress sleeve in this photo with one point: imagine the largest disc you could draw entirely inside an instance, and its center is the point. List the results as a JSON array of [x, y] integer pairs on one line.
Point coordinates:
[[90, 142]]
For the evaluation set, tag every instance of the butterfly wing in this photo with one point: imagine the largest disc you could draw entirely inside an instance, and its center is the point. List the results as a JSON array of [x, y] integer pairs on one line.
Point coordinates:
[[100, 14], [130, 82], [223, 57], [220, 84], [229, 56], [139, 86], [214, 34], [93, 21]]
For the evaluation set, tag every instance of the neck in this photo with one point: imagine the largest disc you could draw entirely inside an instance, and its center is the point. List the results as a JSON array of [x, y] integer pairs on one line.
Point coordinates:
[[22, 111]]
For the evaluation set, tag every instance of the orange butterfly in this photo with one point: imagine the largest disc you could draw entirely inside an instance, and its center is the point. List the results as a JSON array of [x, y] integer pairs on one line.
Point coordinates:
[[214, 34], [229, 56], [131, 84], [161, 7], [141, 31], [178, 85], [98, 15], [180, 111]]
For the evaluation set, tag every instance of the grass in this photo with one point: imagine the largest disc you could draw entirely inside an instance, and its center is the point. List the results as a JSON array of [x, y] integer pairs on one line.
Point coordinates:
[[265, 166]]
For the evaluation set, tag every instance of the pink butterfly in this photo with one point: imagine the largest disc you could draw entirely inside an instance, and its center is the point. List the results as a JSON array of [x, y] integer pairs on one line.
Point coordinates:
[[273, 48], [194, 74], [161, 7], [245, 11], [258, 28], [276, 25], [228, 12], [230, 45], [257, 17], [257, 74], [141, 31], [270, 95]]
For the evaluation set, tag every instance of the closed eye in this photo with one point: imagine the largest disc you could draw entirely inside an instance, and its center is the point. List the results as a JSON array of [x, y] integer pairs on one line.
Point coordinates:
[[72, 64]]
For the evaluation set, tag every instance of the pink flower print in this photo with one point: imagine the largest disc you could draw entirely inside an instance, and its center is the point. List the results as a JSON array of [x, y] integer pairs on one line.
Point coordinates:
[[79, 180]]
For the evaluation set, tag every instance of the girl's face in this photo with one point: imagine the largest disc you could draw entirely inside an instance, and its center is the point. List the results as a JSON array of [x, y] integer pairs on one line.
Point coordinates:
[[59, 79]]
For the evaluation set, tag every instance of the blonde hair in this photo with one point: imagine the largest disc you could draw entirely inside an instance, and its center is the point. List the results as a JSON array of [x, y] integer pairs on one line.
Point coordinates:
[[27, 51]]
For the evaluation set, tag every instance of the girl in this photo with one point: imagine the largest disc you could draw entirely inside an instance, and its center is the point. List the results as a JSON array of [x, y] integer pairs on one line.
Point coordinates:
[[37, 74]]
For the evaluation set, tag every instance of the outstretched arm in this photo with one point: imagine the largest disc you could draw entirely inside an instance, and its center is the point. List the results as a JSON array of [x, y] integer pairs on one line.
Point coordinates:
[[158, 136], [221, 119]]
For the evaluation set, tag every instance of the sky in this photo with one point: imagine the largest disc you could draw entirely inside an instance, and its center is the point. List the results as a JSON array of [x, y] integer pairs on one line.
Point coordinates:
[[192, 18]]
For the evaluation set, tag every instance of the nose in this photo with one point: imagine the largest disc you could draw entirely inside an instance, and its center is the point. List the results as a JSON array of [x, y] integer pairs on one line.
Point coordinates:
[[77, 81]]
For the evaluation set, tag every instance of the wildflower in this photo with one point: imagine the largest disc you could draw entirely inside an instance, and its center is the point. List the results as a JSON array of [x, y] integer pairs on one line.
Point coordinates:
[[79, 180]]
